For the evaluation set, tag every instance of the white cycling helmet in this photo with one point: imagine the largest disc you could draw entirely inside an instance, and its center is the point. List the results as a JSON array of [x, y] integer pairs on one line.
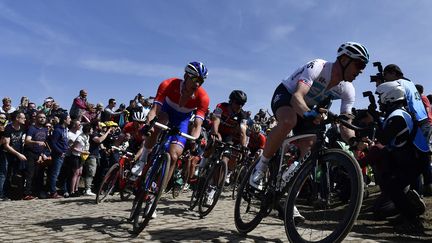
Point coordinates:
[[354, 50], [139, 116], [390, 92], [256, 128]]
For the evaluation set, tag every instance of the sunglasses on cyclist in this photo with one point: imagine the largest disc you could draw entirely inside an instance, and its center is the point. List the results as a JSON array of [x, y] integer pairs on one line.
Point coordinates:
[[198, 80], [359, 65]]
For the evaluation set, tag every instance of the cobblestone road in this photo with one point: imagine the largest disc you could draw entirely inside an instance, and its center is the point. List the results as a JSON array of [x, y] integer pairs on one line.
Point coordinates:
[[81, 220]]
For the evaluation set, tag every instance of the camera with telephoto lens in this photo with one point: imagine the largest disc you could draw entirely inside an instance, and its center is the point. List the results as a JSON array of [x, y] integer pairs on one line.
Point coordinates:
[[379, 77]]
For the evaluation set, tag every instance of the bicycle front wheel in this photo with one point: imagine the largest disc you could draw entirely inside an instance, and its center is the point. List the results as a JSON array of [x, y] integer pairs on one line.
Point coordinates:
[[212, 188], [154, 187], [239, 175], [250, 205], [197, 189], [108, 184], [328, 196]]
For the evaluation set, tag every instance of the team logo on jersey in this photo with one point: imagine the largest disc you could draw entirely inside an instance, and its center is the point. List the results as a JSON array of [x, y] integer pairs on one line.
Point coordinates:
[[311, 64], [276, 98]]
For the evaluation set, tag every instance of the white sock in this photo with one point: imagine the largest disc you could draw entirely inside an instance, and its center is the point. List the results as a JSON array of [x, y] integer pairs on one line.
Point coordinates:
[[144, 155], [262, 163]]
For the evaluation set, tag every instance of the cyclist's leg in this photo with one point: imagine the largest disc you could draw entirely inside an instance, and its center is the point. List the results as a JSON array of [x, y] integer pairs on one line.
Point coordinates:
[[287, 119], [177, 143], [175, 150], [149, 143]]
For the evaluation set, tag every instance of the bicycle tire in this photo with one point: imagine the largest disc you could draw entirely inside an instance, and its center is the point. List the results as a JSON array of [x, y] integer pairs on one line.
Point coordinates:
[[108, 183], [218, 168], [159, 176], [126, 192], [138, 187], [197, 191], [334, 160], [239, 175], [246, 192]]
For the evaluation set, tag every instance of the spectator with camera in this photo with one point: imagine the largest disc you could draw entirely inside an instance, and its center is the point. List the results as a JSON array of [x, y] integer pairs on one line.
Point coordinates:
[[415, 105], [406, 155], [91, 164]]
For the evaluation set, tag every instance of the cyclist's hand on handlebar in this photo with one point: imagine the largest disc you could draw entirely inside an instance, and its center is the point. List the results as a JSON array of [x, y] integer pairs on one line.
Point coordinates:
[[216, 136], [315, 116], [147, 130], [244, 150]]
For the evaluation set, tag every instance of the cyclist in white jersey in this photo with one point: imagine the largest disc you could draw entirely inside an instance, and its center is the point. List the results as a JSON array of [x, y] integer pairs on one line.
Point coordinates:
[[306, 87]]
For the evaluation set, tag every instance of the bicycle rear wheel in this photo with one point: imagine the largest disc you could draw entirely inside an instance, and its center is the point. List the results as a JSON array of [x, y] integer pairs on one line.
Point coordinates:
[[250, 205], [213, 185], [331, 205], [154, 187], [108, 184], [125, 185]]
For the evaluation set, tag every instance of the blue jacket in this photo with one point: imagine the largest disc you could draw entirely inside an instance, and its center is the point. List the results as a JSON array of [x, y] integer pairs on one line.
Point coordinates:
[[58, 140]]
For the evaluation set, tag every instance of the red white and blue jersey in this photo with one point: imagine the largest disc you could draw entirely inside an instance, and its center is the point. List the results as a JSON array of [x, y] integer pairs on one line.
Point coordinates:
[[169, 93]]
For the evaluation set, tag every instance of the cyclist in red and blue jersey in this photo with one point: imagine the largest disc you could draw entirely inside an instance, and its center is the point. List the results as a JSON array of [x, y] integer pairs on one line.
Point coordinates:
[[175, 101]]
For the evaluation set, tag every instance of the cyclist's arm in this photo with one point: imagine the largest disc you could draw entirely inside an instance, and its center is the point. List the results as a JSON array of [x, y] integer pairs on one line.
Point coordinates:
[[347, 103], [243, 136], [215, 124], [297, 101], [196, 127], [154, 111]]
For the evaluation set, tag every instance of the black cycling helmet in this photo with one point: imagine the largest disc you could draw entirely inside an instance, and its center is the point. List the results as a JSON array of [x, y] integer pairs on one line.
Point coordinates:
[[238, 96]]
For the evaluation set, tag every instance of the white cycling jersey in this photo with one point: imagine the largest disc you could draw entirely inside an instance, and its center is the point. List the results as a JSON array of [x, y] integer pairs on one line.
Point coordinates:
[[317, 75]]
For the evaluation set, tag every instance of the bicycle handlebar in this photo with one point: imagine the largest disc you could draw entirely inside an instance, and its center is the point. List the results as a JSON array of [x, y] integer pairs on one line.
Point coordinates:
[[165, 127], [121, 150], [339, 118]]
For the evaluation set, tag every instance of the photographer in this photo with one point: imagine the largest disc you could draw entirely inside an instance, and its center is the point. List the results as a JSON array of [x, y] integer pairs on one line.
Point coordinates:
[[407, 156], [415, 105]]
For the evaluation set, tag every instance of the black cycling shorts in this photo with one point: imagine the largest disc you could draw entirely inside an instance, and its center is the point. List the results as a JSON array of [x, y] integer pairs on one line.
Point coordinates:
[[282, 97]]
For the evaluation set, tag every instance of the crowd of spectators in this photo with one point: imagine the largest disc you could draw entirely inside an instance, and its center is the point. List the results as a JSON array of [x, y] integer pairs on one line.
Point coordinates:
[[48, 152]]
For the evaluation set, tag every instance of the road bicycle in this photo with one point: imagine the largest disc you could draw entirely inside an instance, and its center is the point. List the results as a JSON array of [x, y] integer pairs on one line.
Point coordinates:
[[211, 179], [117, 177], [325, 187], [239, 173], [154, 177]]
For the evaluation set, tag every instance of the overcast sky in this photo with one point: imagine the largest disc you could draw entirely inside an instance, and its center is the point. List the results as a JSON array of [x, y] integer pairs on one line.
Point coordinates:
[[116, 48]]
